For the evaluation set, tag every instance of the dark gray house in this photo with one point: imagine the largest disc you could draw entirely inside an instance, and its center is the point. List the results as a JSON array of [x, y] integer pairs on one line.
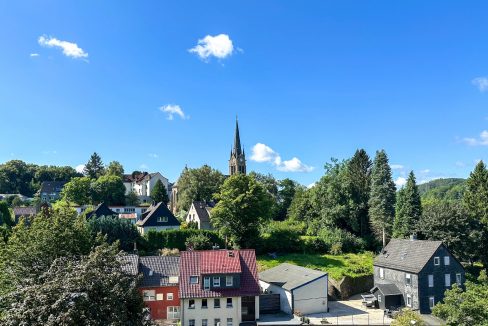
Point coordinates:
[[414, 273], [51, 190]]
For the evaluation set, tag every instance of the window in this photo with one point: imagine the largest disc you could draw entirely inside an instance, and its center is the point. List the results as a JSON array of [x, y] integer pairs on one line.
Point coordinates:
[[409, 300], [408, 279], [163, 219], [229, 321], [149, 295], [382, 273], [379, 297], [446, 260], [193, 279], [169, 296], [229, 281], [216, 303], [173, 279], [129, 210], [206, 283], [447, 278], [191, 304], [217, 322], [216, 282], [431, 302], [204, 322], [151, 272], [160, 296], [173, 312], [204, 304], [191, 322], [431, 281], [229, 302], [437, 261], [459, 279]]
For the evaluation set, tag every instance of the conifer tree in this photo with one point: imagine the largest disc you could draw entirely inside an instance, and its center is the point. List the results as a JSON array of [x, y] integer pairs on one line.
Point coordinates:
[[94, 167], [382, 197], [159, 193], [408, 209]]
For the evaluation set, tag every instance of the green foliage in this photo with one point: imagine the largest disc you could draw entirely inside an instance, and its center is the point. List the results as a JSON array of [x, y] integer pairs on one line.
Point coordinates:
[[302, 207], [198, 184], [286, 193], [408, 317], [132, 199], [109, 189], [5, 215], [341, 241], [243, 206], [94, 167], [176, 239], [281, 237], [382, 197], [451, 189], [115, 168], [465, 308], [78, 191], [115, 229], [408, 209], [160, 193], [198, 241], [91, 290]]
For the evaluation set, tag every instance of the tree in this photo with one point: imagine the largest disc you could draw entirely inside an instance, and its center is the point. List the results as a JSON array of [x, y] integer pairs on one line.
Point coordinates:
[[5, 216], [408, 317], [115, 229], [159, 193], [115, 168], [16, 177], [91, 290], [243, 206], [109, 189], [78, 191], [382, 197], [198, 184], [271, 185], [198, 242], [302, 207], [408, 209], [94, 167], [465, 308], [359, 181], [475, 201], [132, 199], [286, 192]]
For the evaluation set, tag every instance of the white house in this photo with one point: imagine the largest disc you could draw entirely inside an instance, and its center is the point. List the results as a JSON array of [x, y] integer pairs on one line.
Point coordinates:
[[301, 289], [199, 213], [142, 184], [157, 217]]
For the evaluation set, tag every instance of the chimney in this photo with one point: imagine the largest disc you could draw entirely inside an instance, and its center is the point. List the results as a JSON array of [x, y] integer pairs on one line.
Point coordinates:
[[413, 237]]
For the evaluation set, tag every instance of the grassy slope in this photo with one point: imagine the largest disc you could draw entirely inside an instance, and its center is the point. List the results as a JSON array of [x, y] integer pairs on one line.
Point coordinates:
[[337, 266]]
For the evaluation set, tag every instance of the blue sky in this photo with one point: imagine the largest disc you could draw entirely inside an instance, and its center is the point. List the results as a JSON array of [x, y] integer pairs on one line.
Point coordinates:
[[309, 80]]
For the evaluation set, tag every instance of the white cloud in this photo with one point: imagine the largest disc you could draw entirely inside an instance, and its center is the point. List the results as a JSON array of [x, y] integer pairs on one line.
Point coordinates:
[[400, 182], [70, 49], [425, 171], [482, 140], [219, 46], [396, 166], [79, 168], [153, 155], [171, 110], [32, 55], [311, 185], [262, 153], [481, 83]]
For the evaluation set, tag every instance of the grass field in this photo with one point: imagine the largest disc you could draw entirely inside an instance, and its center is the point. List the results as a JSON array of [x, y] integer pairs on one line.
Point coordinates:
[[336, 265]]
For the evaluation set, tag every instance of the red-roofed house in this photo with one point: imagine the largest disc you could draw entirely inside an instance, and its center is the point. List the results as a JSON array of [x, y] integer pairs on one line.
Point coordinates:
[[218, 287]]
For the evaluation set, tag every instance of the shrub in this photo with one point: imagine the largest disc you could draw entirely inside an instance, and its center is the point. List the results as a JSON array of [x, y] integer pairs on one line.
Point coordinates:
[[156, 240], [281, 237], [198, 242], [408, 317], [340, 241], [313, 244]]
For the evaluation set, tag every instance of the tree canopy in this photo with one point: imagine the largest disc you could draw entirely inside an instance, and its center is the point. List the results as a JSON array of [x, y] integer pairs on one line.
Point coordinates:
[[159, 193], [94, 168], [408, 209]]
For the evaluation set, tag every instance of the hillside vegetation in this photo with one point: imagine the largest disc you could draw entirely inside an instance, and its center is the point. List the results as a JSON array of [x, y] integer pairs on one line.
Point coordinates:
[[444, 189]]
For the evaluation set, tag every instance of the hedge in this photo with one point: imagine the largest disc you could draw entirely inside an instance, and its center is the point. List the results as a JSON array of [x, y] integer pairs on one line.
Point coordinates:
[[172, 239]]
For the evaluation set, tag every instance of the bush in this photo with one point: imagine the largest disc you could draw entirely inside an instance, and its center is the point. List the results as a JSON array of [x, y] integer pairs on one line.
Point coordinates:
[[313, 244], [115, 229], [156, 240], [280, 237], [340, 241], [408, 317], [198, 242]]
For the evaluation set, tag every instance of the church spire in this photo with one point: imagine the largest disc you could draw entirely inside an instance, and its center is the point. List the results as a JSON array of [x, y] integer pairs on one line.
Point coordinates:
[[237, 150], [237, 161]]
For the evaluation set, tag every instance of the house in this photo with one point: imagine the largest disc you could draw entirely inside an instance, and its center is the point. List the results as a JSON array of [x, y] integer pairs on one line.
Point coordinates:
[[122, 211], [27, 212], [101, 210], [199, 212], [218, 287], [143, 183], [157, 217], [301, 289], [414, 273], [158, 285], [51, 190]]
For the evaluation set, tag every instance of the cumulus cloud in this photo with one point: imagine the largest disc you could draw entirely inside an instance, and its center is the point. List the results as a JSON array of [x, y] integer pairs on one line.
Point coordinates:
[[70, 49], [218, 46], [400, 182], [33, 55], [481, 83], [80, 168], [396, 166], [262, 153], [482, 140], [171, 110]]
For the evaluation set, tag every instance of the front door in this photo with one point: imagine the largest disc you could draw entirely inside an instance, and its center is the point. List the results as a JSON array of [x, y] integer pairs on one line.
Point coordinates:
[[248, 308]]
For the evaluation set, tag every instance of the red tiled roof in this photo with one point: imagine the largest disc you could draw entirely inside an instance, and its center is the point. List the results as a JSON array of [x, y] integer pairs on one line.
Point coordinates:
[[198, 263]]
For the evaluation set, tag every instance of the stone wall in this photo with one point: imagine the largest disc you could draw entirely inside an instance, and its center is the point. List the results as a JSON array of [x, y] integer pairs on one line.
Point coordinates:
[[348, 286]]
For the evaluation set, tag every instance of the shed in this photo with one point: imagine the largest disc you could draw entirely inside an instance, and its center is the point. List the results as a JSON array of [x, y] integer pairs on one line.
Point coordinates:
[[388, 296], [301, 289]]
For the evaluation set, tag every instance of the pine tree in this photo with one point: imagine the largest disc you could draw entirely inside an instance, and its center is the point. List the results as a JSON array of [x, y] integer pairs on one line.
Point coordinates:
[[408, 209], [382, 197], [94, 167], [159, 193]]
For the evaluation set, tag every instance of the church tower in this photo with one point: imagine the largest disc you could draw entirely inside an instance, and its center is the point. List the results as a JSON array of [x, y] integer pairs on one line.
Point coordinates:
[[237, 161]]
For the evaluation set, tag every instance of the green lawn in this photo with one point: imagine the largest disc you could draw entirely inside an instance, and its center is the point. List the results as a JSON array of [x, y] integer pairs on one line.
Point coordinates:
[[337, 266]]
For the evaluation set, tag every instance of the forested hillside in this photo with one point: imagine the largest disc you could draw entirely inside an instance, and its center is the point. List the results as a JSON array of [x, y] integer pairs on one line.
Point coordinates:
[[448, 189]]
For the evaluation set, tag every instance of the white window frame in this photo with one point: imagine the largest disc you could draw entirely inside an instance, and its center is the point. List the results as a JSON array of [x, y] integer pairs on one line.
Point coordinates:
[[149, 295], [194, 279], [217, 322], [409, 300], [206, 283], [191, 306], [379, 297], [229, 321], [227, 302], [447, 280], [162, 219], [437, 261], [169, 296], [216, 282], [191, 322], [431, 302], [173, 280], [229, 281], [431, 280], [459, 279], [382, 273], [159, 296], [408, 277], [204, 322], [217, 300], [447, 260], [173, 312]]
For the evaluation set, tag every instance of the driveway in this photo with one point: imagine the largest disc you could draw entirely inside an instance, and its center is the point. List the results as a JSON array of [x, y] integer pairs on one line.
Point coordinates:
[[278, 319]]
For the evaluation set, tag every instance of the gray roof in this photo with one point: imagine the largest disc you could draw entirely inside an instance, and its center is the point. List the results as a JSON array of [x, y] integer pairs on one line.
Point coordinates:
[[407, 255], [162, 267], [150, 217], [203, 210], [52, 186], [387, 289], [290, 276], [129, 264]]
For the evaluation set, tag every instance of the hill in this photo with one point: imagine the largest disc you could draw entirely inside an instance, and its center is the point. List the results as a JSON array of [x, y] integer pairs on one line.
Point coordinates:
[[448, 189]]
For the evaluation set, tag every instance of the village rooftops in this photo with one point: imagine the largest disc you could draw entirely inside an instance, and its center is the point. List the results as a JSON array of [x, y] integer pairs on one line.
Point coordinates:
[[159, 270]]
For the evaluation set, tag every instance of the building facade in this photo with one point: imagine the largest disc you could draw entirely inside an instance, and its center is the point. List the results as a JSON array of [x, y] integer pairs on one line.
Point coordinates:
[[50, 191], [157, 217], [143, 183], [199, 213]]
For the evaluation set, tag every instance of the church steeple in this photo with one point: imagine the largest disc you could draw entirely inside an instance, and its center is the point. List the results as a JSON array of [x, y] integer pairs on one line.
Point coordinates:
[[237, 161]]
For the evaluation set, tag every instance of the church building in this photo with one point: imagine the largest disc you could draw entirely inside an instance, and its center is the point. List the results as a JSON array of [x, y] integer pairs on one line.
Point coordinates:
[[237, 161]]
